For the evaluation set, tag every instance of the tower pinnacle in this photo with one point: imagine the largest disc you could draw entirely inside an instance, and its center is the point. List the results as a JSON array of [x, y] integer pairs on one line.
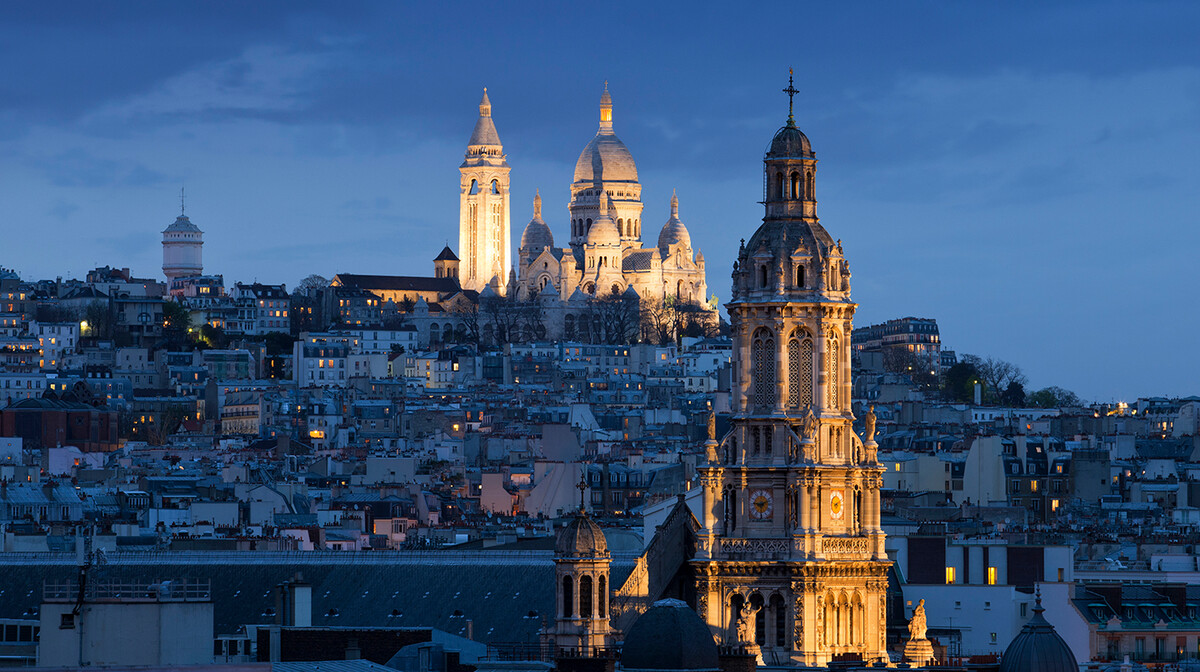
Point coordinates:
[[537, 203], [485, 105], [606, 109]]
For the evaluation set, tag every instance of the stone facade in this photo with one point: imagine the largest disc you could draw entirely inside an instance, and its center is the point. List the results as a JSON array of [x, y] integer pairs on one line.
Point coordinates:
[[791, 516], [483, 219]]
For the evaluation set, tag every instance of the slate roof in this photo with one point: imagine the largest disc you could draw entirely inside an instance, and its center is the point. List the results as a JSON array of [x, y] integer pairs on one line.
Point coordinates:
[[638, 261], [398, 283], [506, 595]]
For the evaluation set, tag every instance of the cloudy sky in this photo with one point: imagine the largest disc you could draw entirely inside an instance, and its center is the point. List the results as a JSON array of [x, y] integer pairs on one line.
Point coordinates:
[[1025, 173]]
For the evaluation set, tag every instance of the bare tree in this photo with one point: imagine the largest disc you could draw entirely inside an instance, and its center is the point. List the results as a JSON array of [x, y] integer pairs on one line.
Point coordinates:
[[312, 283], [996, 374], [615, 318]]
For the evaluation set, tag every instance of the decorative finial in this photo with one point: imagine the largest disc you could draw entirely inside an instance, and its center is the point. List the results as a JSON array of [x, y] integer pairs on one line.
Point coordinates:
[[790, 91], [582, 485], [674, 204], [537, 203]]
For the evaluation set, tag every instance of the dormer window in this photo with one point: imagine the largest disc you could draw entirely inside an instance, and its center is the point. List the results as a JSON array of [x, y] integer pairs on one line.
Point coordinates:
[[800, 276], [762, 276]]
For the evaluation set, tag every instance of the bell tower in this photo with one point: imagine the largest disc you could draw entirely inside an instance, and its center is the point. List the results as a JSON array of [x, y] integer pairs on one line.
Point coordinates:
[[483, 211], [581, 571], [791, 517]]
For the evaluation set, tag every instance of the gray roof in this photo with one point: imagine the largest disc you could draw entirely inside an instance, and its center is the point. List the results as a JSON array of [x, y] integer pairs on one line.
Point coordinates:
[[506, 595], [669, 636], [182, 224], [639, 260]]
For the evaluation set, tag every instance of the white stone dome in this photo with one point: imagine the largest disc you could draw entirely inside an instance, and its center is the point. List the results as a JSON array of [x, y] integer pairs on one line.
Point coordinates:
[[537, 234], [604, 231], [605, 158], [673, 232]]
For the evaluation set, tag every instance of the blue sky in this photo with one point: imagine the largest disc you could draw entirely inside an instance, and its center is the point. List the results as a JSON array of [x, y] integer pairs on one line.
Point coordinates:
[[1023, 172]]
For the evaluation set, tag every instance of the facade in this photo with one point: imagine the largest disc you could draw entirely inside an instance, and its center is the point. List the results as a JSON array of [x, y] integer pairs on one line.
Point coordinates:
[[183, 244], [791, 535], [606, 254], [259, 309], [483, 221]]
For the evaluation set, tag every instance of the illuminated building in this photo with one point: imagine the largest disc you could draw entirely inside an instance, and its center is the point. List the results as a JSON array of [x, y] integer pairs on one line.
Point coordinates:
[[791, 493]]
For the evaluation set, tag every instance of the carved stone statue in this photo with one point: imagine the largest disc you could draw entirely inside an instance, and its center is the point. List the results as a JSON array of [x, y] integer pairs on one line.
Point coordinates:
[[808, 428], [745, 623], [869, 422], [916, 627], [712, 426]]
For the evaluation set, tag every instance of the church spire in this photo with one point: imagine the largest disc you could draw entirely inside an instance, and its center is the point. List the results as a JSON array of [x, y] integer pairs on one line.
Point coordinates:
[[674, 204], [537, 204]]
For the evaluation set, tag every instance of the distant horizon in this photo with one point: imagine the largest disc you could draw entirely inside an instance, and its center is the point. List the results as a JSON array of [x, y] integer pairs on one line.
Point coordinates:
[[988, 167]]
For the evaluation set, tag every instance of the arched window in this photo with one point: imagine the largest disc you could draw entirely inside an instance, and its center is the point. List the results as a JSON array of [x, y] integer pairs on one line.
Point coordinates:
[[495, 187], [474, 187], [795, 186], [616, 289], [800, 276], [434, 333], [568, 598], [569, 327], [779, 186], [602, 597], [833, 370], [762, 354], [679, 289], [621, 227], [589, 226], [808, 185], [793, 355], [762, 276], [760, 619], [585, 597]]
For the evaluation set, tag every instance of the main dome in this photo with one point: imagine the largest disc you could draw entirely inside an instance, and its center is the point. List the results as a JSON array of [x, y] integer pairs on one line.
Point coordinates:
[[605, 158]]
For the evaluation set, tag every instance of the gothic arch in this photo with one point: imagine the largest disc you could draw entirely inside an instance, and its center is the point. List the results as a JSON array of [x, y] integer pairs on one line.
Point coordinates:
[[800, 369], [762, 356], [833, 369]]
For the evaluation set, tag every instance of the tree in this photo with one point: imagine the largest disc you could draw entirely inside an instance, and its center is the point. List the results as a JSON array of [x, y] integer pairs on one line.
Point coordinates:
[[902, 361], [614, 318], [312, 283], [996, 374], [98, 320], [1054, 397], [1013, 395], [959, 382]]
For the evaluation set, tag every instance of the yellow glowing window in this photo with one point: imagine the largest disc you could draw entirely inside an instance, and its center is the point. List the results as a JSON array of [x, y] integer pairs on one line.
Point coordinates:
[[1054, 505], [949, 575], [991, 576], [897, 466], [1033, 485]]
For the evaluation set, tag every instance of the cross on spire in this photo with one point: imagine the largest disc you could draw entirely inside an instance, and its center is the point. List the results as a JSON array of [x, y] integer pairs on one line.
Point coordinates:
[[582, 485], [790, 91]]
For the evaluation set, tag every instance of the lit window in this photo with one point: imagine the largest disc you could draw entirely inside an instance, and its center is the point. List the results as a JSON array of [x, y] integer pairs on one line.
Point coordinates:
[[949, 575], [991, 579]]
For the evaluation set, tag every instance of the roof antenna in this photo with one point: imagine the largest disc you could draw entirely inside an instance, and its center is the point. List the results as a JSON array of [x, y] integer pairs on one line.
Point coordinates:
[[181, 210]]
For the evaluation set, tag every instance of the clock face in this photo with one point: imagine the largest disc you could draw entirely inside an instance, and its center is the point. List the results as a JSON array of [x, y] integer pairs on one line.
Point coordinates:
[[836, 505], [760, 505]]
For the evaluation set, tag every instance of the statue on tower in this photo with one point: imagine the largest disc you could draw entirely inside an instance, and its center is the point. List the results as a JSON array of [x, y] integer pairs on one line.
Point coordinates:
[[918, 649], [745, 623], [869, 423]]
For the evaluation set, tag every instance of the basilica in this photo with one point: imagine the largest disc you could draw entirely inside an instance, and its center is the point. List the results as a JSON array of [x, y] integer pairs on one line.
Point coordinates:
[[604, 255]]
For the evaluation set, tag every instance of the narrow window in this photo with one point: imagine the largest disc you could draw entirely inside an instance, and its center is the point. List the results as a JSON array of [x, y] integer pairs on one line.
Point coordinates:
[[763, 359], [585, 597], [800, 276], [568, 605], [795, 186]]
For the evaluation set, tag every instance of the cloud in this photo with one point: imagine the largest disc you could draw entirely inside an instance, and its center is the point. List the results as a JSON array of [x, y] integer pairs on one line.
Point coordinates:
[[78, 168]]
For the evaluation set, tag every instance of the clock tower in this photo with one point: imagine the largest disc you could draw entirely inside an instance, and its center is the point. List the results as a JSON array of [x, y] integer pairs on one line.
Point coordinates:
[[791, 544]]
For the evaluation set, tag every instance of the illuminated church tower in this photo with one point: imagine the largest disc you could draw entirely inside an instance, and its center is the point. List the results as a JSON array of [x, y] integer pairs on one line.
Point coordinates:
[[183, 248], [483, 224], [791, 517]]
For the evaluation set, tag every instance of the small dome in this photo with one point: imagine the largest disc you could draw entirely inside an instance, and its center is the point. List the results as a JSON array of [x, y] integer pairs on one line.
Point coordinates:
[[581, 536], [673, 232], [669, 636], [537, 235], [1038, 648], [604, 230], [790, 143], [182, 225], [605, 158]]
